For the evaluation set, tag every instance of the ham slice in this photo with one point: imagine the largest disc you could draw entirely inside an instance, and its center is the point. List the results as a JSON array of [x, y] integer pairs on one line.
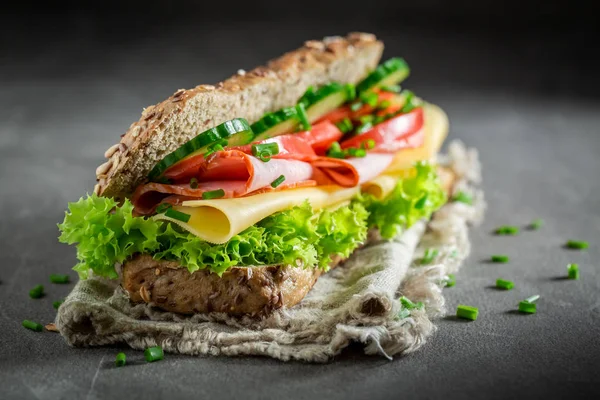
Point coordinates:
[[352, 171], [233, 171]]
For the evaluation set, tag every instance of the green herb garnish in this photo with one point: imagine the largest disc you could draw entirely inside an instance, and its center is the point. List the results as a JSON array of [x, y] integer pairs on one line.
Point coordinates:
[[450, 280], [278, 181], [504, 284], [499, 258], [528, 305], [37, 292], [34, 326], [507, 230], [154, 354], [265, 151], [573, 271], [467, 312], [120, 360], [536, 224], [57, 304], [59, 278], [577, 244], [430, 254], [391, 88], [463, 198], [213, 194], [304, 122], [162, 207], [178, 215], [409, 305], [345, 125], [194, 183]]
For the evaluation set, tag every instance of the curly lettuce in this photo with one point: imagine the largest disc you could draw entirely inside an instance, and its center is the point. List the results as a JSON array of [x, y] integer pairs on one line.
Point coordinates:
[[106, 233], [411, 199]]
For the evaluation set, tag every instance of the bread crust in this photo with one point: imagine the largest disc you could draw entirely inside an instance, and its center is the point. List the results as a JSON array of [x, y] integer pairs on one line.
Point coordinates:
[[165, 126]]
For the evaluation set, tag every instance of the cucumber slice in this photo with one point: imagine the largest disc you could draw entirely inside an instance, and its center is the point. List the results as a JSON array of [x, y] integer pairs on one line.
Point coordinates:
[[391, 72], [236, 132], [326, 99], [277, 123]]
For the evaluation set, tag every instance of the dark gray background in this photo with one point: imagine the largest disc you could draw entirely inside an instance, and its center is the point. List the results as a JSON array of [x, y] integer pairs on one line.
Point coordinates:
[[519, 82]]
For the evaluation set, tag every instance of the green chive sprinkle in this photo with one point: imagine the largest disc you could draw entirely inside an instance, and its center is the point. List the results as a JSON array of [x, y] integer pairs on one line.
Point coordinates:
[[451, 280], [504, 284], [350, 91], [34, 326], [193, 185], [370, 98], [528, 305], [390, 88], [178, 215], [370, 144], [304, 123], [345, 125], [507, 230], [213, 194], [463, 198], [499, 258], [366, 118], [408, 304], [573, 271], [467, 312], [429, 255], [536, 224], [36, 292], [532, 299], [58, 278], [265, 151], [364, 128], [278, 181], [404, 313], [384, 104], [121, 360], [57, 304], [162, 208], [577, 244], [356, 152], [154, 354]]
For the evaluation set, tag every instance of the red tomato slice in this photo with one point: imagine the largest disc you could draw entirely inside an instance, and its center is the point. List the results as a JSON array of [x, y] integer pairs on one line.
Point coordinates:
[[388, 134]]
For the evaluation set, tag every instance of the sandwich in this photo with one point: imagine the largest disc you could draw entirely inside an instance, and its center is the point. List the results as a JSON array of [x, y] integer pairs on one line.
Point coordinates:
[[236, 197]]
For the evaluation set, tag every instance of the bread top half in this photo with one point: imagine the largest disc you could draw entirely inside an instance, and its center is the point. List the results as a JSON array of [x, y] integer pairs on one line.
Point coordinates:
[[164, 127]]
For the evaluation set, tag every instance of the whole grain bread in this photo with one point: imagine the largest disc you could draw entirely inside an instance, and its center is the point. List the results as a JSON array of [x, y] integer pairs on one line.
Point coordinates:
[[167, 125]]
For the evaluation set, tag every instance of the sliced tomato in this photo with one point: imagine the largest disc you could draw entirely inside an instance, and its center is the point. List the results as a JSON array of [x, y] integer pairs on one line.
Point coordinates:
[[393, 134]]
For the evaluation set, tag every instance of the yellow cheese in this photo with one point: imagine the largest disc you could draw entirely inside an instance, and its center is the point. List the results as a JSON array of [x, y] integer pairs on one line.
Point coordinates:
[[217, 221], [436, 130]]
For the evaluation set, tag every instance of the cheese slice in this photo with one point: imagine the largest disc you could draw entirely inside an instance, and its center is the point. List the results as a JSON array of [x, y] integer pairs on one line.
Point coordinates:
[[217, 221]]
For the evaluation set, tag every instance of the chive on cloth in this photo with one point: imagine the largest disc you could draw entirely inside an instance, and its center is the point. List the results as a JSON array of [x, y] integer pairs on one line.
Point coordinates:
[[356, 302]]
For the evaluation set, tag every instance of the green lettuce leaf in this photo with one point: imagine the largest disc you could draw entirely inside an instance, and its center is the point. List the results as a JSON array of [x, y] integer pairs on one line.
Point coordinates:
[[412, 199]]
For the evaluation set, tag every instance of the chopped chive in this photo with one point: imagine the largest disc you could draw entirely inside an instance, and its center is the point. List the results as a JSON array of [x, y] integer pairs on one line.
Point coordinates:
[[467, 312], [430, 254], [356, 106], [278, 181], [408, 304], [353, 152], [178, 215], [34, 326], [345, 125], [528, 305], [59, 278], [370, 98], [350, 91], [573, 271], [404, 313], [213, 149], [366, 118], [536, 224], [370, 144], [301, 111], [384, 104], [410, 102], [463, 198], [57, 304], [335, 151], [577, 244], [499, 258], [507, 230], [194, 183], [213, 194], [162, 207], [120, 360], [265, 151], [421, 202], [390, 88], [450, 280], [36, 292], [154, 353], [504, 284]]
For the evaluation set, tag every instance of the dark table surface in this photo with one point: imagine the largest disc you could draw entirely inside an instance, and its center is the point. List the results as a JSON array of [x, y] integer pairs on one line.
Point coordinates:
[[61, 106]]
